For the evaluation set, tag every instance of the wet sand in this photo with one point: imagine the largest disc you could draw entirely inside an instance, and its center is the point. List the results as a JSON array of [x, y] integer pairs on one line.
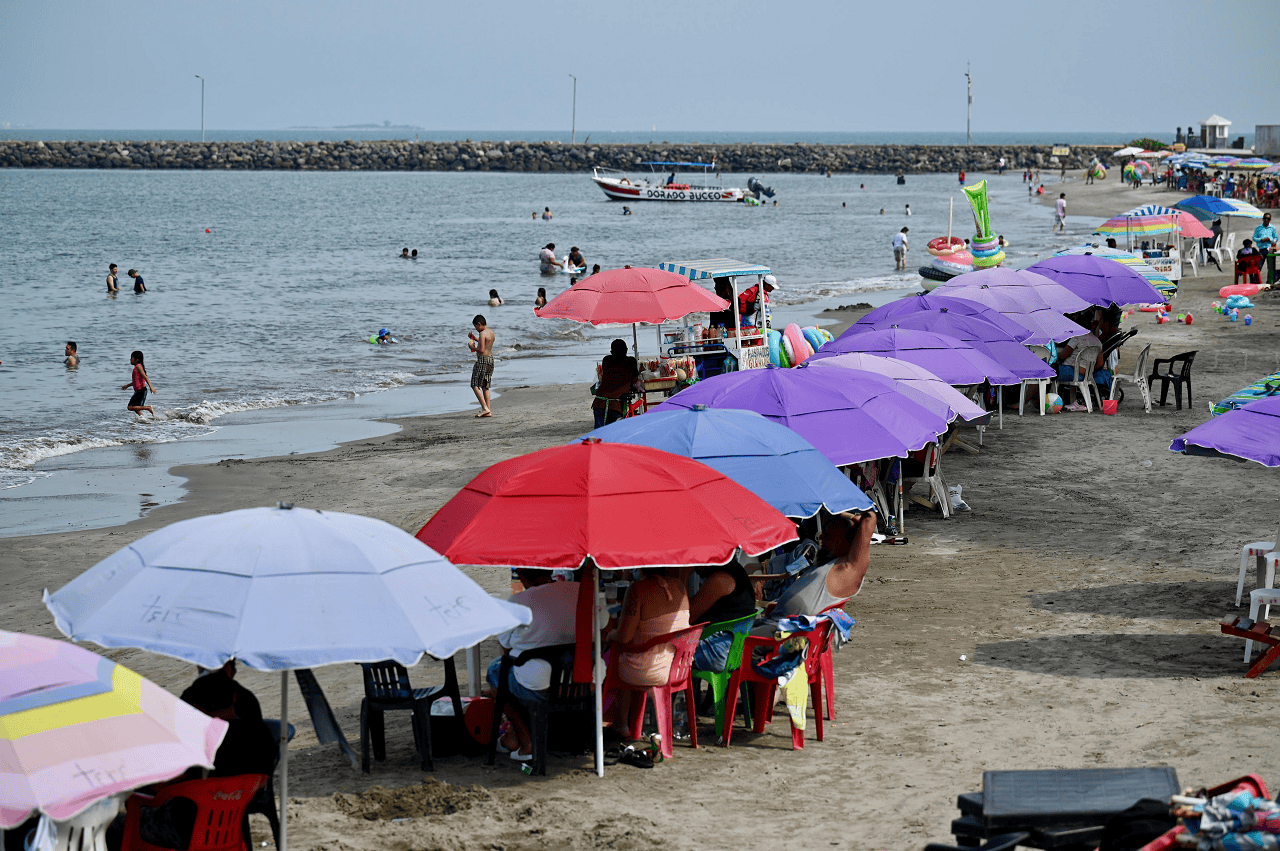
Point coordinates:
[[1083, 591]]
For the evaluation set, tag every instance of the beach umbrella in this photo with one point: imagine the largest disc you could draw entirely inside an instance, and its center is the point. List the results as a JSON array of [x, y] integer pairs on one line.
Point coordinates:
[[1128, 258], [1127, 151], [1252, 164], [279, 589], [584, 505], [768, 459], [943, 303], [848, 416], [1206, 208], [1152, 219], [631, 295], [1026, 307], [1057, 296], [912, 376], [954, 361], [1272, 169], [1098, 280], [76, 728], [970, 328]]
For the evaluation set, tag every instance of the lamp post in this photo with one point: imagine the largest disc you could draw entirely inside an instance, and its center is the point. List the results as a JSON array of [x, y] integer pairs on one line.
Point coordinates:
[[574, 138], [968, 120], [201, 108]]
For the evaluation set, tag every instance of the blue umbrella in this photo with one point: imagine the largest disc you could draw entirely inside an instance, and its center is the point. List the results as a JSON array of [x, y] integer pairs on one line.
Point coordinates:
[[766, 458]]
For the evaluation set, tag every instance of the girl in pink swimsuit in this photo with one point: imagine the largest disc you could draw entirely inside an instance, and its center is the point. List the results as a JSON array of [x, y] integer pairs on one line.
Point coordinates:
[[140, 384]]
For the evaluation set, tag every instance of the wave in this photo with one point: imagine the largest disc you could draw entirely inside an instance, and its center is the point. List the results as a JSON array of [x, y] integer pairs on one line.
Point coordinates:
[[825, 289]]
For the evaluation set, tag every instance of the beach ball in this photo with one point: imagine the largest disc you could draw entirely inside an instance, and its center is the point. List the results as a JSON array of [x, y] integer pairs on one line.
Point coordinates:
[[1053, 404]]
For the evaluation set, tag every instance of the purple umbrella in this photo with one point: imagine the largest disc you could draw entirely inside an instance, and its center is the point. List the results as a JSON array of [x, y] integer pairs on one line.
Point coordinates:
[[1098, 280], [977, 332], [943, 302], [911, 375], [1026, 307], [1058, 297], [849, 416], [954, 361], [1251, 433]]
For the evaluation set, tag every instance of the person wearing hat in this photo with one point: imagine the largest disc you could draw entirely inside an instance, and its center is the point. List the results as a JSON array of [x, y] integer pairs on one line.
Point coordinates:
[[384, 337], [750, 300]]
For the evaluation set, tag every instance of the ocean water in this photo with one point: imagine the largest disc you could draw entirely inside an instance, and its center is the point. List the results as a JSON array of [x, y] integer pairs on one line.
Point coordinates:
[[605, 137], [265, 286]]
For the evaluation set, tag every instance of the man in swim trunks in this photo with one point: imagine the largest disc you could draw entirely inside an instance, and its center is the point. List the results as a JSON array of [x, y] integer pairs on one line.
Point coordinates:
[[112, 286], [482, 373], [900, 249], [72, 359]]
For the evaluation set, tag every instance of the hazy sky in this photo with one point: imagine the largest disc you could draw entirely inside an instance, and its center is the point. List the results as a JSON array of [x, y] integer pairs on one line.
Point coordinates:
[[692, 65]]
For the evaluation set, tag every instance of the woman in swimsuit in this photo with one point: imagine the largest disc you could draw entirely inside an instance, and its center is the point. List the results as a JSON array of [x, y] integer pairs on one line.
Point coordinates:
[[655, 605], [541, 300]]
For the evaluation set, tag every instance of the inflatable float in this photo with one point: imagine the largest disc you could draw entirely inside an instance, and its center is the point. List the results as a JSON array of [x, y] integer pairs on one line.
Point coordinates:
[[775, 343], [1239, 289], [945, 245], [956, 263], [985, 245], [798, 349], [813, 338], [931, 274]]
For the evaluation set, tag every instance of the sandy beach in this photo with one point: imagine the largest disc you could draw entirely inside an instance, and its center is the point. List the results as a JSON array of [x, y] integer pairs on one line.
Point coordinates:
[[1069, 620]]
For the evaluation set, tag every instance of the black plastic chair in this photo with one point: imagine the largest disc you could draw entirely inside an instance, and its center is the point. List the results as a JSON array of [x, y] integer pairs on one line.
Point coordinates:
[[1007, 842], [1177, 373], [386, 689], [563, 695], [264, 802]]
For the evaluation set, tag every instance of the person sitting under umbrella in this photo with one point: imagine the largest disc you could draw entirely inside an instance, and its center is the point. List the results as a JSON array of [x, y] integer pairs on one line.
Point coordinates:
[[618, 374], [554, 608], [726, 594], [847, 540], [248, 747]]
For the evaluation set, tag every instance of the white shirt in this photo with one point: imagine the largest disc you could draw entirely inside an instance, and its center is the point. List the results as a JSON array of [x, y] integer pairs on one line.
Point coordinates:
[[546, 255], [554, 608], [1061, 206], [899, 240]]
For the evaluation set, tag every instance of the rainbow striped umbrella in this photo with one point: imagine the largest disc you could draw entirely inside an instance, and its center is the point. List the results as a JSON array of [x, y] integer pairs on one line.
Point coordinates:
[[76, 728], [1252, 163], [1150, 219], [1223, 161], [1272, 169]]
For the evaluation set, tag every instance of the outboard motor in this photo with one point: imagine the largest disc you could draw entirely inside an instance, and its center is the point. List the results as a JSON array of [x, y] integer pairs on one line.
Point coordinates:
[[757, 189]]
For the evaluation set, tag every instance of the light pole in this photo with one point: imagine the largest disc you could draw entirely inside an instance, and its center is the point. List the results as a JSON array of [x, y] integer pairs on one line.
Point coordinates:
[[574, 138], [201, 108], [968, 121]]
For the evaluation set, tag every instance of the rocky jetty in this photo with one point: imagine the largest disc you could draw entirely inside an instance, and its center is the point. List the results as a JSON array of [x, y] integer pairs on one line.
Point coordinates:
[[531, 156]]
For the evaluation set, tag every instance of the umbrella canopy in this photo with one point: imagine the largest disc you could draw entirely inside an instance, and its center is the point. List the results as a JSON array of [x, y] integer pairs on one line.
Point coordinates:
[[1153, 218], [1127, 151], [954, 361], [1251, 433], [942, 303], [1206, 208], [1128, 258], [1098, 280], [281, 588], [766, 458], [76, 728], [1252, 163], [558, 507], [984, 336], [911, 375], [1057, 296], [849, 416], [631, 295], [1025, 306], [1272, 169]]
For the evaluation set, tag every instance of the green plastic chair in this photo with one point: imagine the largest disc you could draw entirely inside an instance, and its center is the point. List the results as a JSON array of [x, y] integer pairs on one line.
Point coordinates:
[[719, 680]]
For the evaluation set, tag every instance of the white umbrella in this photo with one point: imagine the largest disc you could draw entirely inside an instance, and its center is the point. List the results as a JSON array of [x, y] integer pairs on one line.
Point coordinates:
[[279, 589]]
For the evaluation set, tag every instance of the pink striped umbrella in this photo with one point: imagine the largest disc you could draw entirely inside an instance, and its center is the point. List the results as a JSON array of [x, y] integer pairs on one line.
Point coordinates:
[[76, 728]]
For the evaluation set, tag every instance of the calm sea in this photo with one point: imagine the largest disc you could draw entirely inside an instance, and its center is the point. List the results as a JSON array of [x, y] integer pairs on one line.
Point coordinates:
[[265, 286]]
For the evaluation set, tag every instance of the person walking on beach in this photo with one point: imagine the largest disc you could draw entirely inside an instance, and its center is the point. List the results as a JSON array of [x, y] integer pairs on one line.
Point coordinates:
[[112, 286], [1264, 236], [482, 372], [72, 359], [138, 285], [140, 384], [1060, 213], [900, 249]]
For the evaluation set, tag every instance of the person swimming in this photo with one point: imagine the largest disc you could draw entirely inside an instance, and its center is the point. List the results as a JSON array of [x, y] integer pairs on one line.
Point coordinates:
[[495, 300], [381, 338], [541, 300], [404, 253]]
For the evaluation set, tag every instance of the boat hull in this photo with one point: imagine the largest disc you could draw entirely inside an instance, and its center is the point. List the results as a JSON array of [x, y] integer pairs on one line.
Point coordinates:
[[618, 190]]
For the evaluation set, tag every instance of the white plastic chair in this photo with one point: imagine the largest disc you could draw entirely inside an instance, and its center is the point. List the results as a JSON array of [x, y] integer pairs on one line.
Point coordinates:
[[1264, 558], [1139, 378], [1042, 353], [1217, 252], [1230, 247], [932, 476], [85, 832], [1190, 253], [1087, 356], [1258, 598]]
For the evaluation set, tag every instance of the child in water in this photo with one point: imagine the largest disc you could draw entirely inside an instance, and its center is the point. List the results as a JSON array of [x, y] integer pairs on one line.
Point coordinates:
[[495, 300], [140, 384], [541, 300]]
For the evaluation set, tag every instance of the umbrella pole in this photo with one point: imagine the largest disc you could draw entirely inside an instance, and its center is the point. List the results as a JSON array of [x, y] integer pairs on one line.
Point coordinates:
[[635, 341], [596, 667], [284, 761]]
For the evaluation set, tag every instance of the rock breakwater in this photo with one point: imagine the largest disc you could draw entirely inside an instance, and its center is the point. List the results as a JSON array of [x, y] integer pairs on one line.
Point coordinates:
[[532, 156]]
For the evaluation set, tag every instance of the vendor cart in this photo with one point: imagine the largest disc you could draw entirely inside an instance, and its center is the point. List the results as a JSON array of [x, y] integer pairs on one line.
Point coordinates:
[[744, 347]]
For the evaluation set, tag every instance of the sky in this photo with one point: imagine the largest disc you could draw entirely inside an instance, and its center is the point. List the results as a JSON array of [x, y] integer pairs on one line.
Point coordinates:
[[742, 65]]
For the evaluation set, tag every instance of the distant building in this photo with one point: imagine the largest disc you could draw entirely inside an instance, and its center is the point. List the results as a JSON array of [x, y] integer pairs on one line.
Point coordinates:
[[1266, 140], [1215, 132]]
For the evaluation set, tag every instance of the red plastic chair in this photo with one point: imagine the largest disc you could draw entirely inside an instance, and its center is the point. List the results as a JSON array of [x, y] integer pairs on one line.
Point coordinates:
[[827, 661], [764, 689], [220, 805], [1249, 267], [685, 644]]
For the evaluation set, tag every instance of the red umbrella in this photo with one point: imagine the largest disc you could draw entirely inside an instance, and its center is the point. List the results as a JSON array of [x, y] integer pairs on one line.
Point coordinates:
[[621, 506], [611, 505], [631, 295]]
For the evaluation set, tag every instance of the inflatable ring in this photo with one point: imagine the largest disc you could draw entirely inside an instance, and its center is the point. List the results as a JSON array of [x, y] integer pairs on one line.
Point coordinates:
[[932, 274], [1151, 308], [784, 360], [826, 335], [984, 243], [944, 245], [775, 342], [955, 264], [813, 338], [1239, 289], [797, 348], [624, 181], [988, 262]]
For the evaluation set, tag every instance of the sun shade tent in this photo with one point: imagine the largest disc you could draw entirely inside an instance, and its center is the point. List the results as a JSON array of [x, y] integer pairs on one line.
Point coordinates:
[[280, 589]]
